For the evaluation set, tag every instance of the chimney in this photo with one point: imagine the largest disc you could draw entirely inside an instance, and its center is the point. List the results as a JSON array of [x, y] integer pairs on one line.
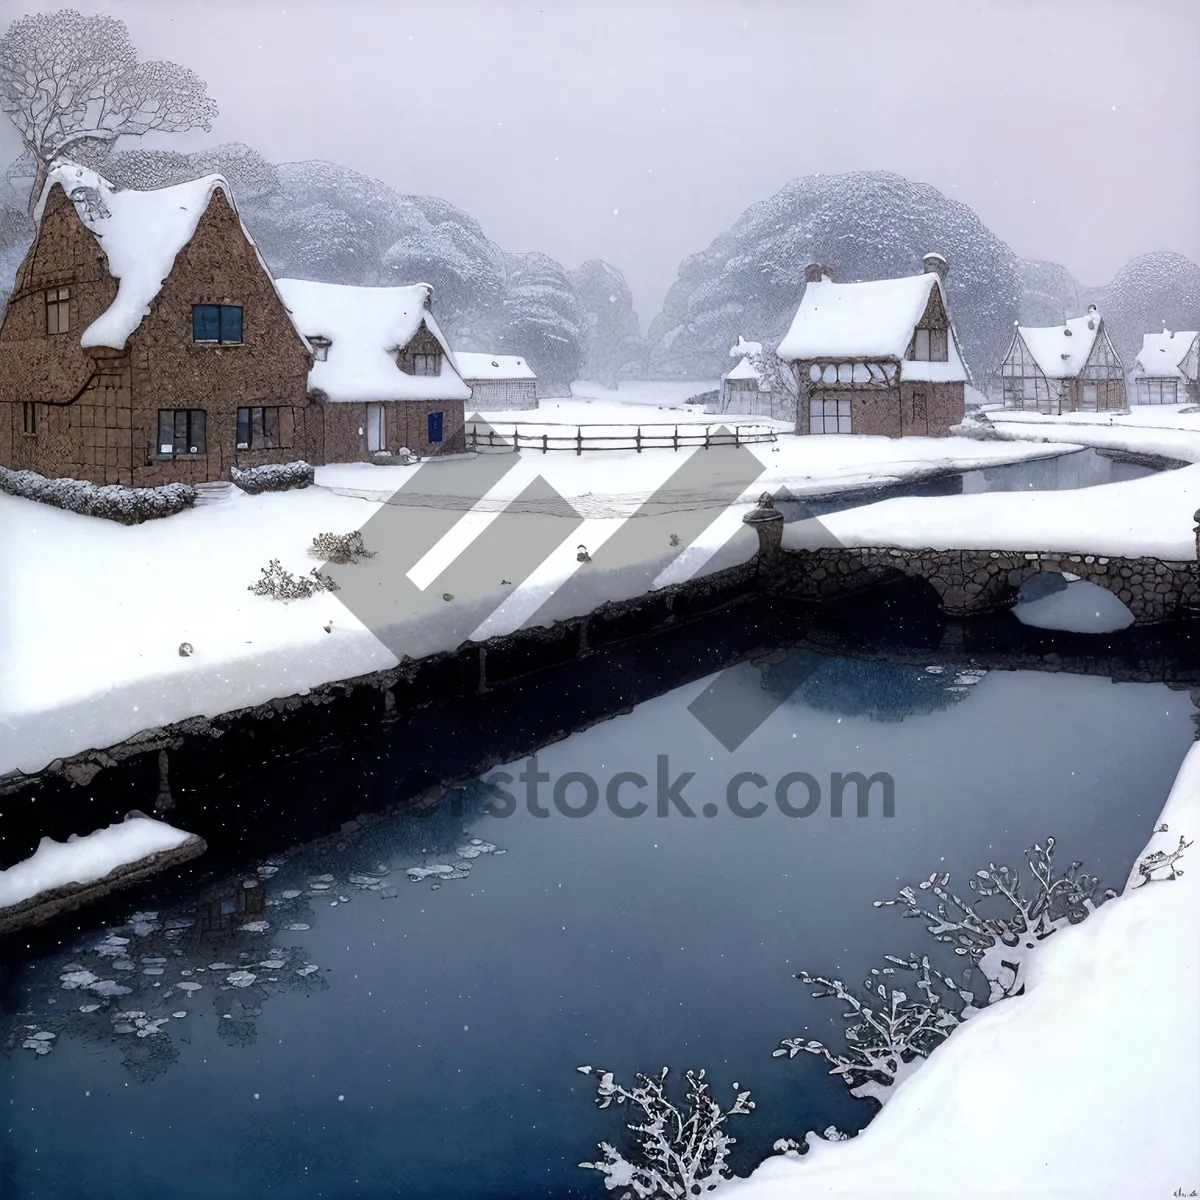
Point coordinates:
[[1092, 315], [815, 273], [935, 264]]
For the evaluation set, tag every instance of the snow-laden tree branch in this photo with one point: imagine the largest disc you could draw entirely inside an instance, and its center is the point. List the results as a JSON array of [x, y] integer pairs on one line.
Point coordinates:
[[890, 1030], [675, 1152], [69, 81]]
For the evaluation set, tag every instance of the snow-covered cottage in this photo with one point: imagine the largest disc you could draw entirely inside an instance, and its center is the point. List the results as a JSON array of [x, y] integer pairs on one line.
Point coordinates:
[[382, 373], [497, 381], [1167, 369], [1072, 367], [746, 389], [878, 357], [143, 332]]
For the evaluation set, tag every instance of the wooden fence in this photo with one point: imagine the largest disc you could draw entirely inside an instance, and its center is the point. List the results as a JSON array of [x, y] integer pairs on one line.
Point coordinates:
[[516, 436]]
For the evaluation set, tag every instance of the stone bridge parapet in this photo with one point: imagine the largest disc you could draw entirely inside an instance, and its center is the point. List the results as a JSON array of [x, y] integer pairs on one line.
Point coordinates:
[[980, 581]]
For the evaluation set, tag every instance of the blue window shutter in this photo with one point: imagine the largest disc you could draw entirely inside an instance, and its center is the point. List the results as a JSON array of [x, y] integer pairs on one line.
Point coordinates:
[[231, 323], [435, 427], [205, 323]]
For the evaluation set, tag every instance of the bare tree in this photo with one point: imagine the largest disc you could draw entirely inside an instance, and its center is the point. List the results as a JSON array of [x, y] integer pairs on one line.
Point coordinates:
[[70, 82]]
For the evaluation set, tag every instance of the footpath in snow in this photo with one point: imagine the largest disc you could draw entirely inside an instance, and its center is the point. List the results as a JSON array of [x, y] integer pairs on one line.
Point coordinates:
[[1087, 1087]]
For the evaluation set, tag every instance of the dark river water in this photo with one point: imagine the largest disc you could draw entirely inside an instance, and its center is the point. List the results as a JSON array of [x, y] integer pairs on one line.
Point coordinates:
[[320, 1025], [1063, 472]]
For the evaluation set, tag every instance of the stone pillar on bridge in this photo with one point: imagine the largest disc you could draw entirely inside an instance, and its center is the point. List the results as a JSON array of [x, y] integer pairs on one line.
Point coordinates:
[[767, 521]]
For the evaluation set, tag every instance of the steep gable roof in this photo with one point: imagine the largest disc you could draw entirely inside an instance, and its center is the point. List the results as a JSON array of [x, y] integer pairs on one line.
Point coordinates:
[[873, 319], [1162, 354], [140, 232], [366, 326], [1061, 351], [475, 366]]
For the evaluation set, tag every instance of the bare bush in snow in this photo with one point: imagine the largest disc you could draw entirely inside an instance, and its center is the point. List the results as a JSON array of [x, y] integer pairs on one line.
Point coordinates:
[[1161, 860], [279, 584], [675, 1151], [341, 548]]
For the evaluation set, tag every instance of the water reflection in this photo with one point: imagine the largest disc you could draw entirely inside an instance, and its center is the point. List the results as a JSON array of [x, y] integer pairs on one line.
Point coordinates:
[[391, 1011]]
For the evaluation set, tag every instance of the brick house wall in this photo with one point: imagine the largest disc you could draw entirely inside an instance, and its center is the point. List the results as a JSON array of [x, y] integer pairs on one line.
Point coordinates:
[[406, 424], [171, 371]]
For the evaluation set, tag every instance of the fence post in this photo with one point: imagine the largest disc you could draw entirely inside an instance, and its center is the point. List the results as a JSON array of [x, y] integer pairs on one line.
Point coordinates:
[[707, 431], [676, 439], [737, 433], [578, 439], [545, 443], [639, 439]]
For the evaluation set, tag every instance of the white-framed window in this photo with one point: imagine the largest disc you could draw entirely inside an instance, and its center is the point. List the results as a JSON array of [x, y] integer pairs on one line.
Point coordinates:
[[376, 428], [320, 348], [427, 364], [929, 345], [829, 415]]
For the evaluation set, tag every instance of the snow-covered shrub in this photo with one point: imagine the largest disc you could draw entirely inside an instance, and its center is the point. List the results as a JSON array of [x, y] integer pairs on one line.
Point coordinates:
[[128, 505], [273, 477], [279, 584], [1161, 860], [890, 1030], [674, 1151], [343, 548]]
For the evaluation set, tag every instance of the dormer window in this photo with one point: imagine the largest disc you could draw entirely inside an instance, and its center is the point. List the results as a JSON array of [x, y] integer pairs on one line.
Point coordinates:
[[427, 364], [929, 345], [320, 347], [217, 323]]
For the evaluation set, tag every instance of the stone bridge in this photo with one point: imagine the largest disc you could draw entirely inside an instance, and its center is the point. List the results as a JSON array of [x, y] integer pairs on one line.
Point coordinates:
[[972, 581]]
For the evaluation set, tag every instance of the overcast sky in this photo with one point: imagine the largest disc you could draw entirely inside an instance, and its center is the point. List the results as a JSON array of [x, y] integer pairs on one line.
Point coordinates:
[[638, 130]]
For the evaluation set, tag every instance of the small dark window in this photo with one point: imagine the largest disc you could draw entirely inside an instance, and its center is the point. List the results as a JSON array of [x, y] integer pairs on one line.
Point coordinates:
[[221, 323], [427, 364], [28, 417], [258, 428], [181, 432], [58, 310], [435, 427], [320, 348]]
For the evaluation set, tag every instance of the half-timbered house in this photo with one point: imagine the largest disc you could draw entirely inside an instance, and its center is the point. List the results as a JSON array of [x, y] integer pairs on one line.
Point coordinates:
[[497, 381], [1167, 369], [877, 357], [1072, 367], [744, 389]]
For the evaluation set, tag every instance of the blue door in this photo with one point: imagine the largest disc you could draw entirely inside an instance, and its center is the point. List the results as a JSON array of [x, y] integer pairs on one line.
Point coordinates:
[[435, 427]]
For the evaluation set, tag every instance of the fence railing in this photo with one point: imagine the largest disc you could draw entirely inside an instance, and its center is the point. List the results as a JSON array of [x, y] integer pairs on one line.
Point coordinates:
[[516, 436]]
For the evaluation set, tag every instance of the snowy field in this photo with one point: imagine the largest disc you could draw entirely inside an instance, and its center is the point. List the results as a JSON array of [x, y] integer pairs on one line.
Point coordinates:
[[1086, 1086]]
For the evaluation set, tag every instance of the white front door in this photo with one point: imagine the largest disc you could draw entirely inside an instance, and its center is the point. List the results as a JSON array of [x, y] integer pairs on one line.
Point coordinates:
[[376, 428]]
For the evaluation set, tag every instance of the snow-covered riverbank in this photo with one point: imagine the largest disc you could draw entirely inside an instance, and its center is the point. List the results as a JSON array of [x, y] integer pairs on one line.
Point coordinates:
[[92, 614], [1086, 1086]]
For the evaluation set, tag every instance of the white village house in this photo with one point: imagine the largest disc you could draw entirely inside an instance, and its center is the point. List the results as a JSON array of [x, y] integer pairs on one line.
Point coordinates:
[[497, 381], [382, 369], [878, 357], [1167, 368], [1072, 367], [745, 389]]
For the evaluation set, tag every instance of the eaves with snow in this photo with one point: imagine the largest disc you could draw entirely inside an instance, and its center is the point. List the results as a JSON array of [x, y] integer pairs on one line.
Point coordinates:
[[1062, 351], [141, 232], [365, 327], [870, 321], [474, 367]]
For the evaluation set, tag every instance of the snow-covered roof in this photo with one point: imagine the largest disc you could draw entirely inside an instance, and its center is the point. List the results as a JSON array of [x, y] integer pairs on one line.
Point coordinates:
[[140, 233], [1061, 350], [744, 370], [744, 348], [365, 327], [874, 319], [492, 366], [1162, 354]]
